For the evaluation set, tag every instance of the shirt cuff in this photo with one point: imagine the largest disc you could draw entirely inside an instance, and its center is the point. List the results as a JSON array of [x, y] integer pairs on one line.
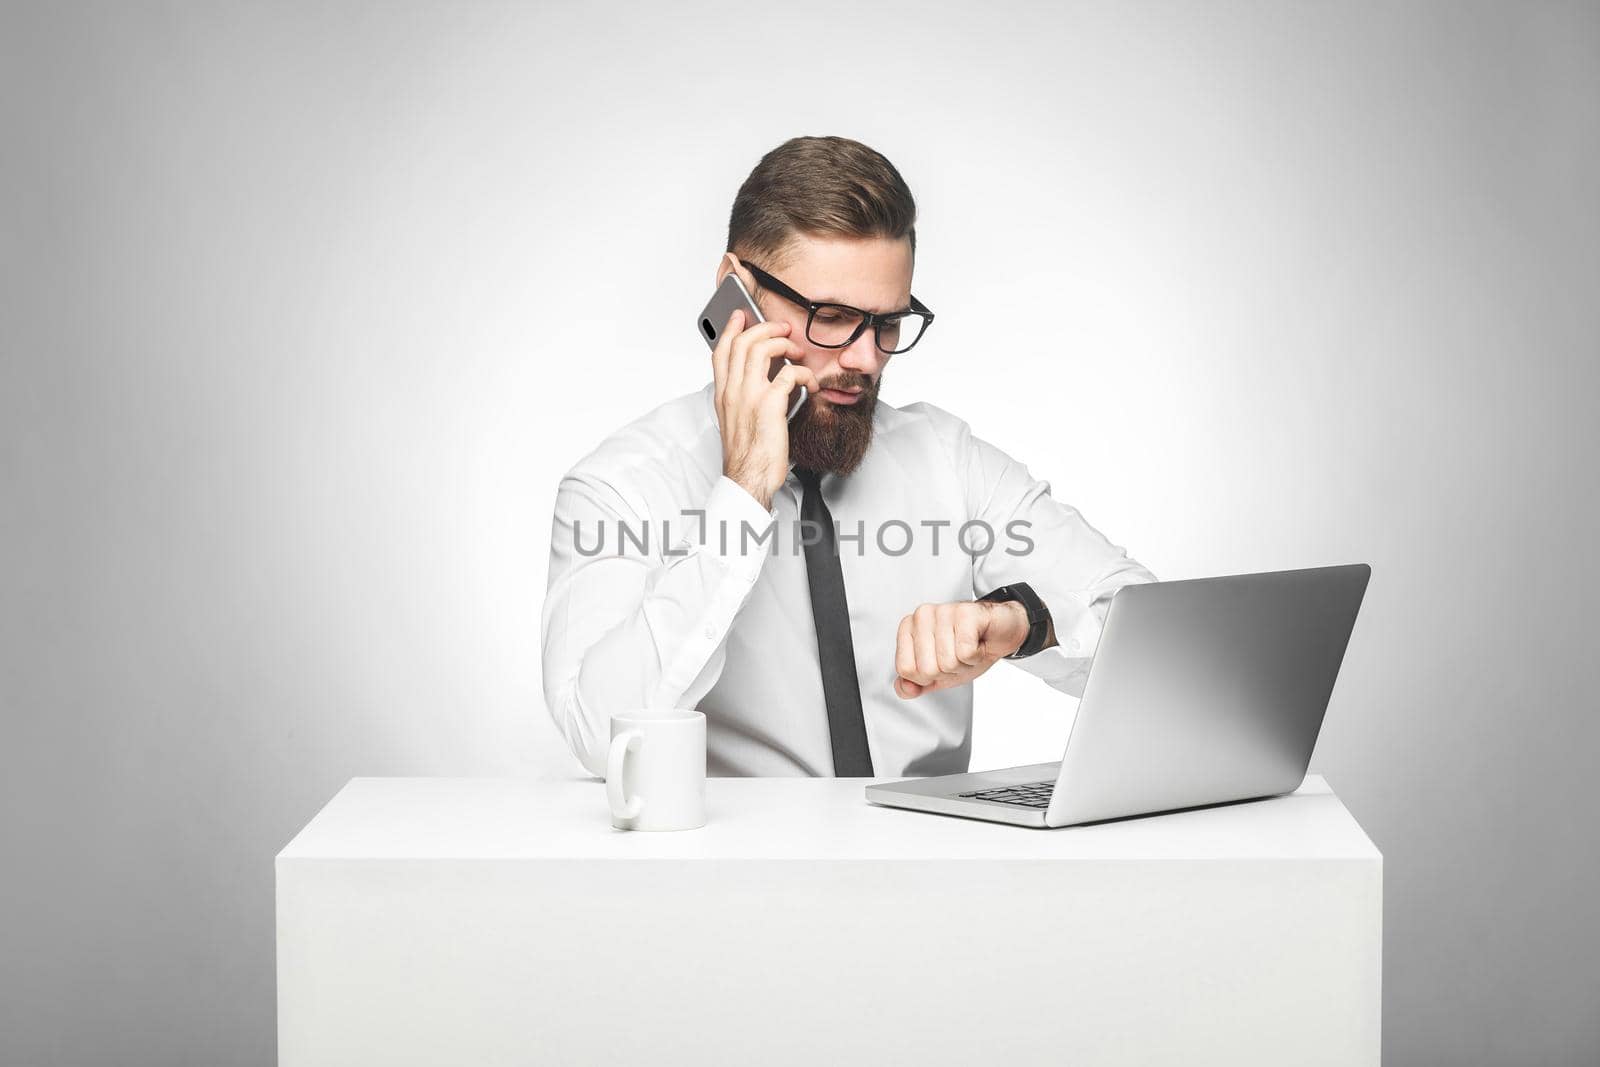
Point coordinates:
[[1065, 664], [737, 531]]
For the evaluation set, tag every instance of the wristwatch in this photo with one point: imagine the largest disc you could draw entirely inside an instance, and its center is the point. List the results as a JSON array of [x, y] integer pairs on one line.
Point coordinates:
[[1038, 616]]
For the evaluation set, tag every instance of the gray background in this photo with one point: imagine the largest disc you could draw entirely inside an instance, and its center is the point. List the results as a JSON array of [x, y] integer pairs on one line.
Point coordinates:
[[305, 309]]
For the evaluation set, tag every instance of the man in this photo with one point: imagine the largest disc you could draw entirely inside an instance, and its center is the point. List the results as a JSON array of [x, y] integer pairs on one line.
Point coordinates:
[[815, 587]]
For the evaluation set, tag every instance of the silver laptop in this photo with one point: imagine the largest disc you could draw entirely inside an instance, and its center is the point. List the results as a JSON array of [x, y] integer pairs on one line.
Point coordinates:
[[1201, 692]]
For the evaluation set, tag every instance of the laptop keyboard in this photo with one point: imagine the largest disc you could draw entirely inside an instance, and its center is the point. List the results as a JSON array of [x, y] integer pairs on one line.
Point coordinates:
[[1028, 795]]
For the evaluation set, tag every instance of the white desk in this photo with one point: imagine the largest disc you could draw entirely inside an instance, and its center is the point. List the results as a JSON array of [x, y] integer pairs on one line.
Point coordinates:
[[481, 921]]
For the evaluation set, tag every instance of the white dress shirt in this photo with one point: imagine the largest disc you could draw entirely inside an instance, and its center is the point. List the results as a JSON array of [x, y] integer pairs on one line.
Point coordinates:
[[659, 595]]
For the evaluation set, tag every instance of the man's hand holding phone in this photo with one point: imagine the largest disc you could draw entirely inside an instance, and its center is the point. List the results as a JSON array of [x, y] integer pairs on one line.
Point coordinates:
[[752, 409]]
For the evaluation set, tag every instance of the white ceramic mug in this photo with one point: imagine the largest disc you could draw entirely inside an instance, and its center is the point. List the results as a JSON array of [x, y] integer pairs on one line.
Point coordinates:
[[656, 769]]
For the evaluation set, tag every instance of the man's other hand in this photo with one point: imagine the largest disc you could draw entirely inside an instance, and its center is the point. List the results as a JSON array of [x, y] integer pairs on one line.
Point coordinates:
[[945, 645]]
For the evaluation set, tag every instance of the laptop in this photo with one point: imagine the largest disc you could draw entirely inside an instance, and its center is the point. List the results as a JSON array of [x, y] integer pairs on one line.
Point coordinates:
[[1201, 692]]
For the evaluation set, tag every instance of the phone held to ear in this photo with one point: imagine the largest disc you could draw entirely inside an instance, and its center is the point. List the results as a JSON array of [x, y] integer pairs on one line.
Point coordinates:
[[731, 295]]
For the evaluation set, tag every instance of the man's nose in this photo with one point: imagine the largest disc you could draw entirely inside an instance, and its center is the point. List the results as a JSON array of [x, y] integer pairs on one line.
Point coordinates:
[[862, 355]]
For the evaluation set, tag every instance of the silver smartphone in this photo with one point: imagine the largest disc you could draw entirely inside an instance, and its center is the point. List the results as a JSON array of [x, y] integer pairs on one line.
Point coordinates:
[[731, 295]]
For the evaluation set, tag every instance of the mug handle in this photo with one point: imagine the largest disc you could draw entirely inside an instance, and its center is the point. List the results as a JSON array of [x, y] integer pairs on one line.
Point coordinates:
[[621, 745]]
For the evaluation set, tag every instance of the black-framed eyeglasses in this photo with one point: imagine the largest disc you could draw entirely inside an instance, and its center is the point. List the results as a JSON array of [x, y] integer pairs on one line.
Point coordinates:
[[838, 325]]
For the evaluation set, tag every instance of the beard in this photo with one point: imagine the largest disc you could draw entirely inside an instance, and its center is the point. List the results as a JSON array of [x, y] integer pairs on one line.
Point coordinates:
[[833, 438]]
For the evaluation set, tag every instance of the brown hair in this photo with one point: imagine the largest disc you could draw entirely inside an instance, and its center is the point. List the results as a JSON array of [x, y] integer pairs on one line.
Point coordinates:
[[818, 186]]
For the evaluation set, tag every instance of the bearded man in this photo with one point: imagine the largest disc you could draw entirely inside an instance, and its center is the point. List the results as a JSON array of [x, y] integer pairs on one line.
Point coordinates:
[[822, 589]]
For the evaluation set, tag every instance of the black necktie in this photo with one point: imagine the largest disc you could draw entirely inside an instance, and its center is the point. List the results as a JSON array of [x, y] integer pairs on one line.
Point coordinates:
[[831, 612]]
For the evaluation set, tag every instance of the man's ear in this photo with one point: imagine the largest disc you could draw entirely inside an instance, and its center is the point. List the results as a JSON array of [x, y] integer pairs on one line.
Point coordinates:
[[731, 262]]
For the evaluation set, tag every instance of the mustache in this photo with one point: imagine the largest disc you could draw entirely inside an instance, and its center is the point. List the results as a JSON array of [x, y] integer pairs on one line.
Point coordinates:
[[849, 381]]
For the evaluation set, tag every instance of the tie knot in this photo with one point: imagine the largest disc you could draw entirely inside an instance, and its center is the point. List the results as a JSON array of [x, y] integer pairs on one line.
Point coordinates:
[[808, 478]]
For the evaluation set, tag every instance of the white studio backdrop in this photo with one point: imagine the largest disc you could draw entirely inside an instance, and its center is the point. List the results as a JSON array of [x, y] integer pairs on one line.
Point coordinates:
[[305, 310]]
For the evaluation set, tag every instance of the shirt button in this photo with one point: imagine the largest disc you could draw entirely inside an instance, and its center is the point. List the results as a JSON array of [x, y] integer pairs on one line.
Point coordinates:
[[1072, 645], [710, 632]]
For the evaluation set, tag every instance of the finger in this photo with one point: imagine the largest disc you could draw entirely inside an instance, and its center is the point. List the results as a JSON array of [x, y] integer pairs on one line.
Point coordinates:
[[735, 367], [803, 376], [789, 376], [906, 689], [944, 639], [779, 388], [922, 623], [740, 360], [759, 355], [905, 656], [968, 643]]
